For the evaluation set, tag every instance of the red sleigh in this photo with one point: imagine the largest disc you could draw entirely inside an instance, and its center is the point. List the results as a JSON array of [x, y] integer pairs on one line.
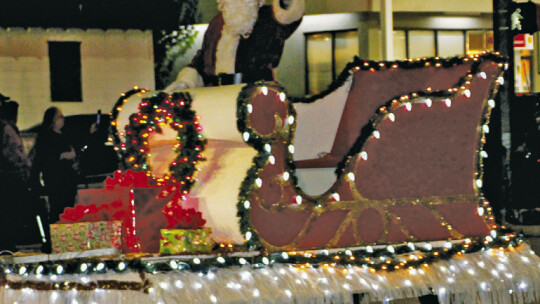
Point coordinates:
[[408, 157]]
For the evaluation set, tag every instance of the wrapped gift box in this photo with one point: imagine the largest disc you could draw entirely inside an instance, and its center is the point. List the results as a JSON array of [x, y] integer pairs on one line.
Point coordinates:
[[82, 236], [176, 241]]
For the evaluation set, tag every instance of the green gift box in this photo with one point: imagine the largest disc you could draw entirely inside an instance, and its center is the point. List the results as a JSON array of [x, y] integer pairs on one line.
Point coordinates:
[[73, 237], [176, 241]]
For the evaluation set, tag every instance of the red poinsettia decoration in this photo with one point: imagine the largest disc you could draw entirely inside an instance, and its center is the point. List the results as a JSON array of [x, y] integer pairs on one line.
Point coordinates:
[[178, 217], [127, 178]]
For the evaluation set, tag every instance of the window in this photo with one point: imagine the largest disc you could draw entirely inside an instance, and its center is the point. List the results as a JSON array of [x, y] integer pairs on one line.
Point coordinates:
[[327, 54], [444, 43], [450, 43], [478, 41], [65, 70], [421, 44]]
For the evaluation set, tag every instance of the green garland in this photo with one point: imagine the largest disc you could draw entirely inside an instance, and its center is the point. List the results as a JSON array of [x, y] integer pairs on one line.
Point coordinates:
[[156, 112], [389, 258]]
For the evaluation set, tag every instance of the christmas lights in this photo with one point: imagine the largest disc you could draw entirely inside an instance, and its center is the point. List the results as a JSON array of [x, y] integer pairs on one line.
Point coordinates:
[[156, 112]]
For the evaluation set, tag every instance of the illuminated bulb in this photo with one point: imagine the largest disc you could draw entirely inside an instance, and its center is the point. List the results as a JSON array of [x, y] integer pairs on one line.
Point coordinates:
[[408, 106], [299, 200], [265, 261], [288, 293], [336, 196], [491, 103], [54, 296], [121, 266], [213, 299], [164, 285], [291, 149], [489, 239], [467, 93], [442, 291], [479, 183], [258, 182], [286, 176], [248, 235], [493, 233], [392, 117], [290, 119], [22, 270], [39, 270], [483, 154], [242, 261], [522, 285], [173, 264], [84, 267], [447, 245], [264, 90], [245, 136], [376, 134], [247, 204], [350, 176], [369, 249], [221, 260], [429, 246], [500, 80], [100, 266], [272, 159], [485, 128], [59, 269], [249, 108], [480, 211], [448, 102], [256, 293], [411, 246], [268, 148], [483, 285], [282, 96], [363, 155], [408, 283], [285, 255], [428, 102], [196, 261], [482, 75], [390, 249]]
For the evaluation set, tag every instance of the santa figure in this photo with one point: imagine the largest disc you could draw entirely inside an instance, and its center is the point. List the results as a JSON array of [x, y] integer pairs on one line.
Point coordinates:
[[243, 43]]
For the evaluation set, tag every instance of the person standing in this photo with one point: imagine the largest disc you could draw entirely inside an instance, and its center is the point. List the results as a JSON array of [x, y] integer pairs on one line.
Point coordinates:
[[14, 172], [55, 162]]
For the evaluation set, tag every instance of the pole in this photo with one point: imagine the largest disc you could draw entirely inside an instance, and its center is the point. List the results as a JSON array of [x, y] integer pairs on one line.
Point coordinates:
[[387, 28], [496, 166]]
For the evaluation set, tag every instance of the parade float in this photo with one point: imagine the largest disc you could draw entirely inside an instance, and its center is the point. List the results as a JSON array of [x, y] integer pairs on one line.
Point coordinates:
[[212, 206]]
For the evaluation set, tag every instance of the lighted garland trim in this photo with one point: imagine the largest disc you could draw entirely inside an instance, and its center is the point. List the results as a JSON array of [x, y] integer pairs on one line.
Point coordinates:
[[258, 142], [376, 258], [369, 65], [159, 111], [114, 136]]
